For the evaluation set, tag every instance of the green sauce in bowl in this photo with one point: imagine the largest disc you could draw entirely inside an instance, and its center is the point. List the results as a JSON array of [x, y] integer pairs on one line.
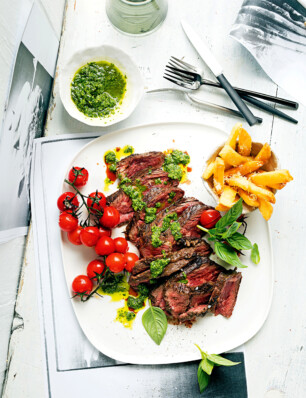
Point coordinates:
[[98, 88]]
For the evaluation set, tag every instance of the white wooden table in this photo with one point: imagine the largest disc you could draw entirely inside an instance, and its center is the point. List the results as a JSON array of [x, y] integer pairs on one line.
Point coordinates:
[[275, 357]]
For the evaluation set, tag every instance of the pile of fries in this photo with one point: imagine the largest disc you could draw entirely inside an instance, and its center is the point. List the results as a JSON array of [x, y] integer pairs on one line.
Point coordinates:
[[239, 172]]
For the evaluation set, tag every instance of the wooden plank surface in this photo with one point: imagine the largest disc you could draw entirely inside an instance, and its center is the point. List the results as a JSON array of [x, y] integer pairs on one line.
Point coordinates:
[[275, 357]]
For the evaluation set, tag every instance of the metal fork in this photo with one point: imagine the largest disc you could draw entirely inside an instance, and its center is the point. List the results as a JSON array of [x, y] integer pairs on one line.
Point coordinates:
[[199, 80], [191, 78]]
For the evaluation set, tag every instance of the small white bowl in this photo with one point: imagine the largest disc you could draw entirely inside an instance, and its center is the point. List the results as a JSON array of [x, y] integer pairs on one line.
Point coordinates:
[[134, 83]]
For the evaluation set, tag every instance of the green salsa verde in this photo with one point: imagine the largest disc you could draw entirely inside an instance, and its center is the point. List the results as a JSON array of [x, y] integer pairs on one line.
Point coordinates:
[[98, 88]]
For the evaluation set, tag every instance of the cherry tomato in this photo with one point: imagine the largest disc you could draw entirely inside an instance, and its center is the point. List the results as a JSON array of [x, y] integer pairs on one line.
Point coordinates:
[[130, 259], [74, 236], [67, 221], [121, 245], [95, 267], [67, 201], [78, 176], [82, 284], [115, 262], [90, 236], [209, 218], [104, 232], [105, 246], [96, 201], [110, 217]]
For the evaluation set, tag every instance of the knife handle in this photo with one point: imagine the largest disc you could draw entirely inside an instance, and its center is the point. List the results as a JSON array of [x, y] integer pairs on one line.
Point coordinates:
[[248, 115]]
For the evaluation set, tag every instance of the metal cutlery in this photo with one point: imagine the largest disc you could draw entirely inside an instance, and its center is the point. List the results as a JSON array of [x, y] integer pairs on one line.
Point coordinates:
[[202, 103], [178, 63], [193, 80], [207, 55]]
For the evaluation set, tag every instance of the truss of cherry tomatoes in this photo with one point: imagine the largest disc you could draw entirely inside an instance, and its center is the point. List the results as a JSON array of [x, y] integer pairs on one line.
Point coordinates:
[[94, 231]]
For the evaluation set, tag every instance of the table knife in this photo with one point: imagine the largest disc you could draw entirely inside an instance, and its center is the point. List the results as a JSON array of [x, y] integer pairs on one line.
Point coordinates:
[[210, 60]]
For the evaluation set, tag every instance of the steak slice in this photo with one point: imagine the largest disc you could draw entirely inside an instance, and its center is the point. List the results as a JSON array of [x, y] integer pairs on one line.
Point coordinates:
[[189, 211], [191, 248], [154, 193], [123, 204], [161, 194], [224, 296], [178, 260], [152, 178], [133, 164], [157, 194], [183, 302]]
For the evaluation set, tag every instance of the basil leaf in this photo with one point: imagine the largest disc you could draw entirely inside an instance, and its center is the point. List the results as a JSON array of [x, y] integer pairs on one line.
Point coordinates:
[[203, 379], [255, 256], [228, 254], [155, 323], [239, 242], [232, 229], [207, 366], [231, 216], [218, 360]]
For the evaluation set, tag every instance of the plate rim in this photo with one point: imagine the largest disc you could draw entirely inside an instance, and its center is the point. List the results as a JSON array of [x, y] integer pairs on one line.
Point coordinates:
[[124, 357]]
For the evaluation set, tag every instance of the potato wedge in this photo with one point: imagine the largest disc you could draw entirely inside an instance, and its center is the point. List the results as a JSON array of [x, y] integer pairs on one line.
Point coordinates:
[[228, 196], [272, 177], [220, 207], [209, 171], [248, 186], [244, 143], [265, 208], [229, 155], [277, 186], [264, 154], [219, 176], [232, 139], [244, 168], [248, 198]]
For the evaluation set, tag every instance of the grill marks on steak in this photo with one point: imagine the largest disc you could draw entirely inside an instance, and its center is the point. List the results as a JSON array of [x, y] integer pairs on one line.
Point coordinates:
[[190, 285], [178, 260], [189, 211], [157, 194], [208, 289], [134, 164]]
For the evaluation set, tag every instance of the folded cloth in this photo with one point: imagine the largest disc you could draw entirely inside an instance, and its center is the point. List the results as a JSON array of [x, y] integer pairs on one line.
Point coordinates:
[[274, 32]]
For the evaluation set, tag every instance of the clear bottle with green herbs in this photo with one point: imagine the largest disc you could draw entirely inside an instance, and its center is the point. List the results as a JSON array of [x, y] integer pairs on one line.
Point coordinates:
[[136, 17]]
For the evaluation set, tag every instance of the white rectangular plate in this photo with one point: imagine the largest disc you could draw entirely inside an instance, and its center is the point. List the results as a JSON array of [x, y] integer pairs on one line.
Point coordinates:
[[214, 334]]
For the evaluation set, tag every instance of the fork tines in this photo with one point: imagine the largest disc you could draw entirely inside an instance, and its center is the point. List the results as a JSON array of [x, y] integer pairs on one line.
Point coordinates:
[[181, 64]]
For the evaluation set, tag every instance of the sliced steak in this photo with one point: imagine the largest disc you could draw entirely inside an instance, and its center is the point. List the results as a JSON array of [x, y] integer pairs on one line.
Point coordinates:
[[183, 301], [165, 195], [157, 297], [150, 178], [178, 260], [224, 296], [157, 194], [189, 211], [134, 164], [123, 204], [191, 249]]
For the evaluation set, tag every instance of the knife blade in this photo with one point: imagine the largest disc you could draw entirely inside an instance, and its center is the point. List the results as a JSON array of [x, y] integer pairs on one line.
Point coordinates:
[[208, 57]]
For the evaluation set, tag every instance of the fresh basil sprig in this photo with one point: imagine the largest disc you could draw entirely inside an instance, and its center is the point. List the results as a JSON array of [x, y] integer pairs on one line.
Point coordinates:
[[228, 240], [228, 254], [155, 323], [206, 366]]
